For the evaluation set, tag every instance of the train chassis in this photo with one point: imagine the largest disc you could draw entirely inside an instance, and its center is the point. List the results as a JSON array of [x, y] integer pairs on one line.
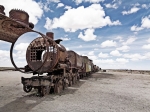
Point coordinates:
[[50, 83]]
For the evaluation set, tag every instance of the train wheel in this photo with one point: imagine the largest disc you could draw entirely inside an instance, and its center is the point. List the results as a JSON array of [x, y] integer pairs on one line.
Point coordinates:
[[27, 89], [45, 90], [58, 87]]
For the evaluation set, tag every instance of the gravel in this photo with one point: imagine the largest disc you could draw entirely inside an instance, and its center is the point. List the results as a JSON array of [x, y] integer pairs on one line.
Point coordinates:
[[101, 92]]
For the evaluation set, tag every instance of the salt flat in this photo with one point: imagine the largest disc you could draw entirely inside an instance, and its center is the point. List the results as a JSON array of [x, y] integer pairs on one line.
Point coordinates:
[[101, 92]]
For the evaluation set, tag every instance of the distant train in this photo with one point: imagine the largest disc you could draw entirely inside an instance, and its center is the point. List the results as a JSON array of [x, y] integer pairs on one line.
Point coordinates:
[[44, 55]]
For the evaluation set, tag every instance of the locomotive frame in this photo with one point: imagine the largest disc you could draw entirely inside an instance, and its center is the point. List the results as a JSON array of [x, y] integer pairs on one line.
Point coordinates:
[[44, 55]]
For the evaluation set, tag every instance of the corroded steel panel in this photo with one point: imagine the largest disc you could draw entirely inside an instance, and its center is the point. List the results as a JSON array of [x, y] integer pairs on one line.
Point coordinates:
[[10, 30]]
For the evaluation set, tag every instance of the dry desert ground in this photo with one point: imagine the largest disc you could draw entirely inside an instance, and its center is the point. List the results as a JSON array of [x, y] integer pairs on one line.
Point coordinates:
[[101, 92]]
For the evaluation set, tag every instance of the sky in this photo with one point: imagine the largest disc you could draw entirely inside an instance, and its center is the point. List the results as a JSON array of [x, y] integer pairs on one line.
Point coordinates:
[[115, 34]]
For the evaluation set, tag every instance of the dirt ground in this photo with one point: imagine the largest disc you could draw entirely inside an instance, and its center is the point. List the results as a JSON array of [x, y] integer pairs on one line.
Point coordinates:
[[102, 92]]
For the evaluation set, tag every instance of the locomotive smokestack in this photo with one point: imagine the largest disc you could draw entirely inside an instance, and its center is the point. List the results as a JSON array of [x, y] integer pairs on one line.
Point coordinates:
[[19, 16], [50, 34]]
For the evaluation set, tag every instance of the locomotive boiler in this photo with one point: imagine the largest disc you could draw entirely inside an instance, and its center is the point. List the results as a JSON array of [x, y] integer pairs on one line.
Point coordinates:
[[53, 67]]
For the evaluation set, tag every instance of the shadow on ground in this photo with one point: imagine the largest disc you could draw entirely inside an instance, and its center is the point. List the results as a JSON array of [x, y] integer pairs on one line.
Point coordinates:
[[102, 76], [26, 103]]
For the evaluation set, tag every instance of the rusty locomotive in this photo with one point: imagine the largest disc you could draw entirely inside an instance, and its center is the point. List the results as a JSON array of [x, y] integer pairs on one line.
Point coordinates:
[[44, 55]]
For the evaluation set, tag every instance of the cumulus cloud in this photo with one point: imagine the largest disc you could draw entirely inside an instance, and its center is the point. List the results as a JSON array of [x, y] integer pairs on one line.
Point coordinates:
[[145, 24], [122, 60], [55, 1], [21, 50], [103, 55], [132, 10], [60, 5], [31, 7], [115, 4], [124, 48], [111, 6], [91, 53], [4, 53], [136, 28], [119, 38], [65, 38], [88, 35], [145, 6], [21, 46], [108, 43], [129, 41], [115, 53], [148, 40], [90, 1], [67, 7], [106, 61], [81, 18], [146, 46], [134, 57]]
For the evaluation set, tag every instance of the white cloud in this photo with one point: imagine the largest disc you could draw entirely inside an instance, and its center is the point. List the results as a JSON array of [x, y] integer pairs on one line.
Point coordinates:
[[81, 18], [88, 35], [31, 7], [136, 28], [103, 55], [145, 6], [67, 48], [132, 10], [122, 60], [147, 55], [146, 46], [48, 23], [129, 41], [4, 53], [96, 49], [124, 48], [80, 46], [107, 61], [108, 43], [119, 38], [91, 1], [145, 23], [115, 53], [60, 5], [65, 38], [21, 50], [115, 4], [55, 1], [91, 53], [67, 7], [148, 40], [134, 57], [21, 46]]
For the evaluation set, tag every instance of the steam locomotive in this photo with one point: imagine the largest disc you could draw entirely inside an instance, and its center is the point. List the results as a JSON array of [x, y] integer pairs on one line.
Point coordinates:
[[53, 67]]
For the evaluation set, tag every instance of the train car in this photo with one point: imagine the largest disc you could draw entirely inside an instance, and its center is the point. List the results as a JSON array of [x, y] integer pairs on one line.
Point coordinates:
[[87, 66], [53, 68]]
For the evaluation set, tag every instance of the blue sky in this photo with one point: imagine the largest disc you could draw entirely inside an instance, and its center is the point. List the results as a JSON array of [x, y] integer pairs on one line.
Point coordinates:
[[114, 33]]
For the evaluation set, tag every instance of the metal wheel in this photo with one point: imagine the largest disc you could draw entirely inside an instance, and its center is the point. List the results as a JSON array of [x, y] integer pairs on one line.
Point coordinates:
[[58, 87], [45, 90], [27, 89]]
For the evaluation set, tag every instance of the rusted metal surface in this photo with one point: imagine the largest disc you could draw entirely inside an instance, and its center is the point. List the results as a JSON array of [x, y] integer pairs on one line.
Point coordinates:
[[19, 16], [10, 29], [37, 52], [76, 60], [2, 8], [43, 55]]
